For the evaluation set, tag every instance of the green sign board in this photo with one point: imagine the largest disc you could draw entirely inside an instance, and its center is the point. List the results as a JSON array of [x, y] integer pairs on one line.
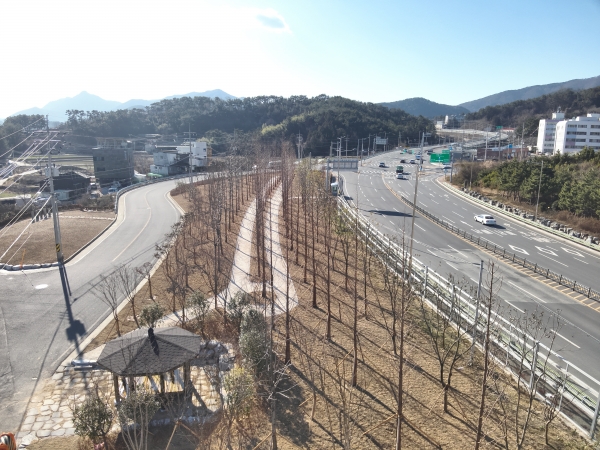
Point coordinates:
[[446, 151], [440, 158]]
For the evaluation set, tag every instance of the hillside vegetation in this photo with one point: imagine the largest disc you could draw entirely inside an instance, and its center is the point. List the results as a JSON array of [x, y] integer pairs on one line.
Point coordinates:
[[514, 95], [320, 119], [573, 103], [569, 183], [419, 106]]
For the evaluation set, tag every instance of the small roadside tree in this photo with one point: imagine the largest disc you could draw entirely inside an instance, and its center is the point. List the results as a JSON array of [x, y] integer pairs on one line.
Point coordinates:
[[93, 419]]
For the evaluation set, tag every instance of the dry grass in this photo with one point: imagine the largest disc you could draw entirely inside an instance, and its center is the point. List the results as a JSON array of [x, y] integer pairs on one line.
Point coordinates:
[[36, 245]]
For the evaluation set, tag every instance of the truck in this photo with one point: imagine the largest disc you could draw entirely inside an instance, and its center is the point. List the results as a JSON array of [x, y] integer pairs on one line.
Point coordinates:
[[399, 169]]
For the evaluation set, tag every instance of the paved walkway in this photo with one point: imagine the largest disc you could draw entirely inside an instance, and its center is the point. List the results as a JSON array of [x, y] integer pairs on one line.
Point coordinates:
[[50, 411]]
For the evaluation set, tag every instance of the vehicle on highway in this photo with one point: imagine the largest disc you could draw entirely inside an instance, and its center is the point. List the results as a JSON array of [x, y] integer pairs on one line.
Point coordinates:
[[412, 161], [112, 190], [402, 161], [447, 167], [399, 169], [401, 176], [381, 164], [485, 219], [418, 157]]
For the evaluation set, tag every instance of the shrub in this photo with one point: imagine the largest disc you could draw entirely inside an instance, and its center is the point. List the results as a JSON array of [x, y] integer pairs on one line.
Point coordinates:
[[151, 315], [253, 341], [93, 418]]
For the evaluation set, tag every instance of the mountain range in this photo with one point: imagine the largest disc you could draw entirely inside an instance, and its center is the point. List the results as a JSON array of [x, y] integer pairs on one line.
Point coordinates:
[[90, 102], [420, 106]]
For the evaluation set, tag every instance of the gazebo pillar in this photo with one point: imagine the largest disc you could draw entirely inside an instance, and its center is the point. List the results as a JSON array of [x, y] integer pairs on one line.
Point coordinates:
[[162, 383], [186, 376], [116, 386]]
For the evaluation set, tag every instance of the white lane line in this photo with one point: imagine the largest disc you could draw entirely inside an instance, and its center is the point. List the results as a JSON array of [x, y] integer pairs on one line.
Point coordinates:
[[435, 202], [383, 199], [448, 219], [396, 210], [580, 260], [570, 342], [553, 260], [518, 309], [455, 268], [458, 251], [528, 293], [457, 214], [419, 227], [464, 208]]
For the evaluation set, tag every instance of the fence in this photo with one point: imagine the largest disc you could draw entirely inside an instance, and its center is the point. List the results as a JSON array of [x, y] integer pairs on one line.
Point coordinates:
[[531, 360], [500, 251]]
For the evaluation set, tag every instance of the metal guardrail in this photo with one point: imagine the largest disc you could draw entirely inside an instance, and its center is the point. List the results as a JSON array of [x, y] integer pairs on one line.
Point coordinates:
[[501, 251], [142, 184], [522, 219], [526, 358]]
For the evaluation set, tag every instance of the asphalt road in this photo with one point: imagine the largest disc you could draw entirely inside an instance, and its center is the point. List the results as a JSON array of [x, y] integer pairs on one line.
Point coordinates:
[[579, 337], [38, 329]]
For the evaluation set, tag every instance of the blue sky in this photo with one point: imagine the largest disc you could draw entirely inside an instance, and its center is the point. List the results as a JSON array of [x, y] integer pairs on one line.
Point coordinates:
[[448, 52]]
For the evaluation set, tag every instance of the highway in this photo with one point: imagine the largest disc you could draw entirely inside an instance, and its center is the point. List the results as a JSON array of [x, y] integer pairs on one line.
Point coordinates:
[[371, 191], [38, 329]]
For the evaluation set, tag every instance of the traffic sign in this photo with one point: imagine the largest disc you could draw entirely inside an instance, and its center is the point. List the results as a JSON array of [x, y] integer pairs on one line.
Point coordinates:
[[439, 158]]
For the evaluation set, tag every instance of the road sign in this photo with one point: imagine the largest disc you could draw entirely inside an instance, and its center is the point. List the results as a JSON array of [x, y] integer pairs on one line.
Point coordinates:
[[499, 127], [439, 158], [446, 151], [380, 141]]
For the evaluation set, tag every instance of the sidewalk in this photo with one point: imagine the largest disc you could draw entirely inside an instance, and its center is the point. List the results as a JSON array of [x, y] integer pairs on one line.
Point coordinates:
[[50, 410]]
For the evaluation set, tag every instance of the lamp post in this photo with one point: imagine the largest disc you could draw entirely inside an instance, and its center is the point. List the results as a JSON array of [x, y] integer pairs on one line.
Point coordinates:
[[538, 196]]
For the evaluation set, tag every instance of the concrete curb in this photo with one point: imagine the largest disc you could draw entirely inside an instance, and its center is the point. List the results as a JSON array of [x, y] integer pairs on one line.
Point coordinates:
[[524, 221]]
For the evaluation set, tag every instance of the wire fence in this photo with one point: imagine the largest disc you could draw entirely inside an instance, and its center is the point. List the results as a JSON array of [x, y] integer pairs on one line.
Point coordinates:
[[535, 363]]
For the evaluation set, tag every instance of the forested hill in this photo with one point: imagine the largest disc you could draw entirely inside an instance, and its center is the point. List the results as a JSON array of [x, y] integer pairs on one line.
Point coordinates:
[[419, 106], [572, 103], [320, 119]]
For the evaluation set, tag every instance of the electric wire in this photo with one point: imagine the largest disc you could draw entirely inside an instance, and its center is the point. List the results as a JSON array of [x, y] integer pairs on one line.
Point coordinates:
[[18, 131]]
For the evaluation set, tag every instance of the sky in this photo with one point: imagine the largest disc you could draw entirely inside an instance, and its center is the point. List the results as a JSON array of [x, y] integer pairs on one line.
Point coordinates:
[[374, 51]]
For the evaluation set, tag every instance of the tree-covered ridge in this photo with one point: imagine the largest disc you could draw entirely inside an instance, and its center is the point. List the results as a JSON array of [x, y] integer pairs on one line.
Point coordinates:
[[572, 103], [9, 136], [320, 119], [569, 183]]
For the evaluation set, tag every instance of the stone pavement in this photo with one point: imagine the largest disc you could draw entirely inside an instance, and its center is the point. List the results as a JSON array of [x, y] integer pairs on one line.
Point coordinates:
[[50, 410]]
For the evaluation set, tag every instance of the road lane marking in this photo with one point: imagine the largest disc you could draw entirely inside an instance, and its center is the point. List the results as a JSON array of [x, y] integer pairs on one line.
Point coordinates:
[[419, 227], [458, 251], [518, 309], [553, 259], [572, 252], [580, 260], [545, 250], [435, 202], [518, 249], [457, 214], [140, 232], [455, 268], [528, 293], [570, 342], [448, 219]]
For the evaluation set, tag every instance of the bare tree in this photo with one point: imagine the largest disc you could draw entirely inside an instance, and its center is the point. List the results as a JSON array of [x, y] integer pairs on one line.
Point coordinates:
[[135, 412], [447, 332], [109, 292]]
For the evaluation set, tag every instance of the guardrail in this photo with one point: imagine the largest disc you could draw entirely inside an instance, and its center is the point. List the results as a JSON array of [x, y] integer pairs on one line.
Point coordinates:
[[522, 219], [520, 354], [144, 183], [501, 251]]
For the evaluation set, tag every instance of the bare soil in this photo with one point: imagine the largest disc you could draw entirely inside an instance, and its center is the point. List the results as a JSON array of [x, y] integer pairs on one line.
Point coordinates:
[[198, 264], [363, 417], [36, 245]]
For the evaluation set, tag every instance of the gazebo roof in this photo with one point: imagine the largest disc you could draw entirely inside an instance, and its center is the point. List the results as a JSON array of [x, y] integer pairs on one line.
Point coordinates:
[[148, 351]]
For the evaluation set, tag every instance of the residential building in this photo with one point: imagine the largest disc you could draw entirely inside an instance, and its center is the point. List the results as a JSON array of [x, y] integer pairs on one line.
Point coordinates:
[[176, 159], [574, 134], [546, 132], [113, 161], [70, 181]]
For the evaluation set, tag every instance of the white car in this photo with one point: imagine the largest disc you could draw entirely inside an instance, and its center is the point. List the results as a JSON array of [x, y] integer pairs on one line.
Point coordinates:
[[412, 161], [485, 219], [400, 176]]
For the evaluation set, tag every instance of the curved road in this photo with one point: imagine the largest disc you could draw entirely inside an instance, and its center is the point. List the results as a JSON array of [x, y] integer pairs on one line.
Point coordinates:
[[371, 190], [38, 330]]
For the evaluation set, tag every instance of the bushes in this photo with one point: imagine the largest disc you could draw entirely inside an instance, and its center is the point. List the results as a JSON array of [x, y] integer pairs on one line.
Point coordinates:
[[254, 342]]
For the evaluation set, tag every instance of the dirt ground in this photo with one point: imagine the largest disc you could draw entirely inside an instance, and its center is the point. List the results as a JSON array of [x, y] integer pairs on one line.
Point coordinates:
[[36, 245], [361, 417], [197, 277]]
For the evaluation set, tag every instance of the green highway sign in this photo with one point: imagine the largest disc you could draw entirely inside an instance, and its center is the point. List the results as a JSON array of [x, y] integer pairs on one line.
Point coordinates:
[[440, 158]]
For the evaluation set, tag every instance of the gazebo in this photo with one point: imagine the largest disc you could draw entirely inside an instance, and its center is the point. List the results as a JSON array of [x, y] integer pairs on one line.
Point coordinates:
[[147, 352]]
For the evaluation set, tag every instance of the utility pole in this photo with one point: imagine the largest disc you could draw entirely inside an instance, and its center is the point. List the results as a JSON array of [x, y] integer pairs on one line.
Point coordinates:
[[476, 312], [299, 146], [190, 142], [412, 224], [57, 239], [486, 144]]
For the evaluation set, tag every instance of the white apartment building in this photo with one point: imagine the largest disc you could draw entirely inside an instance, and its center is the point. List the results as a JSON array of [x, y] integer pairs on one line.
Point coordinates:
[[173, 160], [546, 131], [574, 134]]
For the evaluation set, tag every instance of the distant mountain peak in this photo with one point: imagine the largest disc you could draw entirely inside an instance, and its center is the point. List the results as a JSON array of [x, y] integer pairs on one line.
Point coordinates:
[[56, 109]]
